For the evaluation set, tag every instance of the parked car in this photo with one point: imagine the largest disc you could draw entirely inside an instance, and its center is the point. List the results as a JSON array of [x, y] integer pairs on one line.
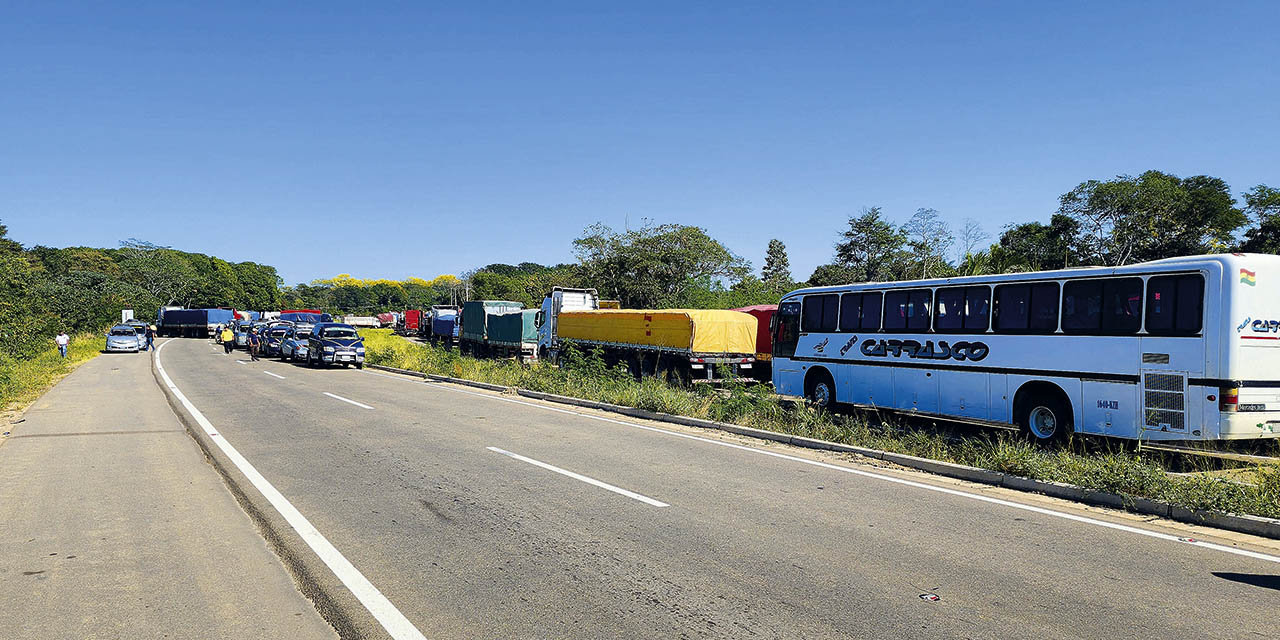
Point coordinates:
[[242, 333], [273, 337], [140, 327], [335, 343], [294, 347], [123, 337]]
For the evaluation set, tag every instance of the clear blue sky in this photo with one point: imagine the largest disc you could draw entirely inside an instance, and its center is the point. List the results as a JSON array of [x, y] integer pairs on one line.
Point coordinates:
[[395, 139]]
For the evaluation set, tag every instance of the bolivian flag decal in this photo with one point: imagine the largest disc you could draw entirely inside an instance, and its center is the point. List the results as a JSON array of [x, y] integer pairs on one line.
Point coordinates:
[[1248, 277]]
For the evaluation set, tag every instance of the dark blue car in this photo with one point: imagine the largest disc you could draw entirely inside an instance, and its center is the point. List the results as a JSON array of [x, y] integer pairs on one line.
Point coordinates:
[[335, 343]]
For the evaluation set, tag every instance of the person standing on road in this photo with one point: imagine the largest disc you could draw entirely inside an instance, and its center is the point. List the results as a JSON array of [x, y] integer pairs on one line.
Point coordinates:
[[228, 339], [63, 340], [151, 337], [254, 343]]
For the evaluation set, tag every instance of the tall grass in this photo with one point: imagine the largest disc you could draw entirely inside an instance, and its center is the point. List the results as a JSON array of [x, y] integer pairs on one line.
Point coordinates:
[[23, 380], [1107, 467]]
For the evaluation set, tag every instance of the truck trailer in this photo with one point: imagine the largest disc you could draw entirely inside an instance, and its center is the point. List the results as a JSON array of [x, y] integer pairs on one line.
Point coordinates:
[[186, 323], [763, 313], [681, 346], [480, 327]]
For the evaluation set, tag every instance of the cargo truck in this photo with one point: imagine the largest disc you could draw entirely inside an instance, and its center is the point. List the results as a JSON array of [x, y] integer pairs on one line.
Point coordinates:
[[512, 335], [410, 322], [681, 346], [187, 323], [443, 327], [478, 329]]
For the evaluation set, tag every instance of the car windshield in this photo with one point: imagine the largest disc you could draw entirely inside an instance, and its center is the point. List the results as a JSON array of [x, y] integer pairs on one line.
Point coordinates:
[[279, 332], [340, 332], [123, 331], [302, 334]]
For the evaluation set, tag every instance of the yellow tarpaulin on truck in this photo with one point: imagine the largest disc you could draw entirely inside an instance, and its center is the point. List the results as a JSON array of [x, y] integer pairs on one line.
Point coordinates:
[[695, 330]]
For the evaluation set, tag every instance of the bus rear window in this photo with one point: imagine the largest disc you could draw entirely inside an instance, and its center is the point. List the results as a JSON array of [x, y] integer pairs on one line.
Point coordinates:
[[820, 313], [1175, 305]]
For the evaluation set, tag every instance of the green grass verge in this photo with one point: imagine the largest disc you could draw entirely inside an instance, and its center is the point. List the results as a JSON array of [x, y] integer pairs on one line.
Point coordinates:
[[1105, 466], [22, 381]]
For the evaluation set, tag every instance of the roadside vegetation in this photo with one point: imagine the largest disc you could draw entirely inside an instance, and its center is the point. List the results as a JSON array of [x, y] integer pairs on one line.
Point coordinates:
[[1094, 465], [23, 380]]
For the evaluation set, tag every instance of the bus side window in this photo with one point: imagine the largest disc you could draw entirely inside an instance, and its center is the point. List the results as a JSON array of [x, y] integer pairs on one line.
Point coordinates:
[[871, 311], [949, 312], [850, 311], [920, 302], [1044, 308], [1012, 305], [1121, 306], [1082, 307], [895, 310], [977, 308], [820, 313], [1175, 305]]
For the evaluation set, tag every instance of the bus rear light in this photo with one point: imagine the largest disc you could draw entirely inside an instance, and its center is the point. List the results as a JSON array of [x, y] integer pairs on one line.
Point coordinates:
[[1230, 399]]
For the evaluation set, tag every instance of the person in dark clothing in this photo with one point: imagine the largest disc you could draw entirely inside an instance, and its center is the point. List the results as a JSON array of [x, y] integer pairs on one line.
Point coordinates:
[[255, 343], [151, 337]]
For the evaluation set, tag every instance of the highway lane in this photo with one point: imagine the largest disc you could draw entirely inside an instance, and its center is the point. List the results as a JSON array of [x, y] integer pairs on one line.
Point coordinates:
[[467, 541]]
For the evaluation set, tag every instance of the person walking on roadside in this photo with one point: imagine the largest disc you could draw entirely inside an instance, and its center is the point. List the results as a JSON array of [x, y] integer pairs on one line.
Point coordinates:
[[151, 337], [228, 339], [63, 340], [254, 344]]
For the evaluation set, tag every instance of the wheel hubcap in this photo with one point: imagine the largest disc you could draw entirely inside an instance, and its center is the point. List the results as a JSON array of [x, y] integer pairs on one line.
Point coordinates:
[[821, 394], [1043, 422]]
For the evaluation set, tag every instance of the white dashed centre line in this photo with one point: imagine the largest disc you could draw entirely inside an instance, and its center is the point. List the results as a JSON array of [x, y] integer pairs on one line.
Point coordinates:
[[338, 397], [275, 375], [577, 476]]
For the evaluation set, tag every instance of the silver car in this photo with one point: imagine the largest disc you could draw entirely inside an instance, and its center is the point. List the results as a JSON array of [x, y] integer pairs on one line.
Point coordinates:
[[123, 337], [294, 346]]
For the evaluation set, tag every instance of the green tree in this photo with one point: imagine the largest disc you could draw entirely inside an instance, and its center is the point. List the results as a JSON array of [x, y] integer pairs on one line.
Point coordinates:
[[163, 273], [1152, 216], [1035, 246], [1263, 205], [870, 250], [654, 266], [777, 268]]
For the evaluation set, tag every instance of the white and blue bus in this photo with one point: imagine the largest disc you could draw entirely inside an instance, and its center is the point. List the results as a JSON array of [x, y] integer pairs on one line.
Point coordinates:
[[1177, 349]]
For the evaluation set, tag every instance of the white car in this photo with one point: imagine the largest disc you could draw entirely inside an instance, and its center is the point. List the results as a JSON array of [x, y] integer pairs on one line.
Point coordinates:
[[123, 337]]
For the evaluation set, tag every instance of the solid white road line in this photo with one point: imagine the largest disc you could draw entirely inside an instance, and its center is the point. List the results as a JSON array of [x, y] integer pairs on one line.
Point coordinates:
[[868, 474], [274, 374], [338, 397], [577, 476], [386, 613]]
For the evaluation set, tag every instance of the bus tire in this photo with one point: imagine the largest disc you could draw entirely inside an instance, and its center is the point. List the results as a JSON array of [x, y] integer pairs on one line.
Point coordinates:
[[820, 388], [1043, 413]]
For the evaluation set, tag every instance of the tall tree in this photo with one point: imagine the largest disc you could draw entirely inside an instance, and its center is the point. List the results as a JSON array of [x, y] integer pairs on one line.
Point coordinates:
[[777, 268], [1152, 216], [871, 249], [1034, 246], [654, 265], [163, 273], [972, 235], [1263, 205], [929, 239]]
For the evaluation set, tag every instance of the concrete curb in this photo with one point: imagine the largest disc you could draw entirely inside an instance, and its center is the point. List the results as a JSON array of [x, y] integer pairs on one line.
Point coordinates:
[[1254, 525], [335, 603]]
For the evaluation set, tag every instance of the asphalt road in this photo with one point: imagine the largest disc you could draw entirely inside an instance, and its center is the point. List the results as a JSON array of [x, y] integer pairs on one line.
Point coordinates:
[[688, 537], [112, 525]]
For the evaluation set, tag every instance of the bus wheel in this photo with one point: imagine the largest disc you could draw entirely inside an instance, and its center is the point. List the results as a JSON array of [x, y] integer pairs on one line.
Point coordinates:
[[820, 389], [1046, 418]]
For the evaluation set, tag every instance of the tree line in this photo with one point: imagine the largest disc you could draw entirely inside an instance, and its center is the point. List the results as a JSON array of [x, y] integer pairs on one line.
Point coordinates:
[[1104, 222]]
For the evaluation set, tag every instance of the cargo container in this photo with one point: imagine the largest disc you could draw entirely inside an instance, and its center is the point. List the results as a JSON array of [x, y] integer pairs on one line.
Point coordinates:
[[681, 346], [219, 317], [763, 313], [512, 335], [387, 319], [476, 318], [443, 328], [305, 316], [364, 322], [187, 323]]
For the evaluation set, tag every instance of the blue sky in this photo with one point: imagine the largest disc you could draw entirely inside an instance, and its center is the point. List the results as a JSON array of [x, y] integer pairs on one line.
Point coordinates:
[[395, 139]]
